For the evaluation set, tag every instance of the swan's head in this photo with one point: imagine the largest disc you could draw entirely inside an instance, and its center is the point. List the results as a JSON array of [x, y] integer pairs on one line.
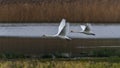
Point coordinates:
[[71, 31], [44, 36], [93, 34]]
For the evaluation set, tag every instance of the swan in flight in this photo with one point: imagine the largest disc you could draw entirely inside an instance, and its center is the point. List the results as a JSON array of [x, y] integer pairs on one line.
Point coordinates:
[[63, 30], [86, 29]]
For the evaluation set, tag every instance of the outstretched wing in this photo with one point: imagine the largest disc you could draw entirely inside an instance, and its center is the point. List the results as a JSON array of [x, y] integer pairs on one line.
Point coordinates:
[[83, 27], [61, 26], [65, 30], [86, 27]]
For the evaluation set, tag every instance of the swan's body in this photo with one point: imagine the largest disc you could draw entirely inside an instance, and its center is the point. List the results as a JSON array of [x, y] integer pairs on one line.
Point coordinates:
[[85, 30], [62, 31]]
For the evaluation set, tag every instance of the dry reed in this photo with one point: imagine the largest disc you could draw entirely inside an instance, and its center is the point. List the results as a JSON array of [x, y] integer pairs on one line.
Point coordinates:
[[55, 10], [57, 64]]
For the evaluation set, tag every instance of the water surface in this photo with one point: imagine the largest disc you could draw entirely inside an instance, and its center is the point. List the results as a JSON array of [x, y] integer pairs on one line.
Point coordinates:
[[37, 30]]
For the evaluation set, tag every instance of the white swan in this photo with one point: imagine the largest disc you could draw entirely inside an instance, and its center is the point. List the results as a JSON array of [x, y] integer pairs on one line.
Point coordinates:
[[86, 29], [62, 31]]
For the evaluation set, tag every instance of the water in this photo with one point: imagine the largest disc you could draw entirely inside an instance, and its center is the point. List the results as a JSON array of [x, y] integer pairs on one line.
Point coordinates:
[[37, 30], [98, 47]]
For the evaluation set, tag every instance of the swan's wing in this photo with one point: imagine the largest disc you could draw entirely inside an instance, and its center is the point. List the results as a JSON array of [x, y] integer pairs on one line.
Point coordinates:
[[83, 27], [87, 29], [61, 26], [65, 30]]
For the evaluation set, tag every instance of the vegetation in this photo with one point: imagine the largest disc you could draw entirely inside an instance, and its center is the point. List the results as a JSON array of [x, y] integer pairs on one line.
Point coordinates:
[[34, 63], [101, 52], [55, 10]]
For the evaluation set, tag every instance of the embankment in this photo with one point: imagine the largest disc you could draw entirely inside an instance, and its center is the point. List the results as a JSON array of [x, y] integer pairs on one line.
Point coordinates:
[[39, 46]]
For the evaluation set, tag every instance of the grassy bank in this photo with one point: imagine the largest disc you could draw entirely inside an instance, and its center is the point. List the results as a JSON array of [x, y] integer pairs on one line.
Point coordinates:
[[33, 63], [55, 10]]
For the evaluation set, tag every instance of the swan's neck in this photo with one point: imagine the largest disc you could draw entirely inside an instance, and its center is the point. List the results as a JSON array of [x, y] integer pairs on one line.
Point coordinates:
[[50, 36], [77, 31]]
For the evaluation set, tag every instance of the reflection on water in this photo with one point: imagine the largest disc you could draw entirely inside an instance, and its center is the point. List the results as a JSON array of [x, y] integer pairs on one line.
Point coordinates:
[[37, 30], [98, 47]]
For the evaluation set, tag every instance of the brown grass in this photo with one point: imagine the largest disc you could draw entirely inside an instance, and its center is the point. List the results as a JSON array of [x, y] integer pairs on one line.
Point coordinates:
[[55, 10]]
